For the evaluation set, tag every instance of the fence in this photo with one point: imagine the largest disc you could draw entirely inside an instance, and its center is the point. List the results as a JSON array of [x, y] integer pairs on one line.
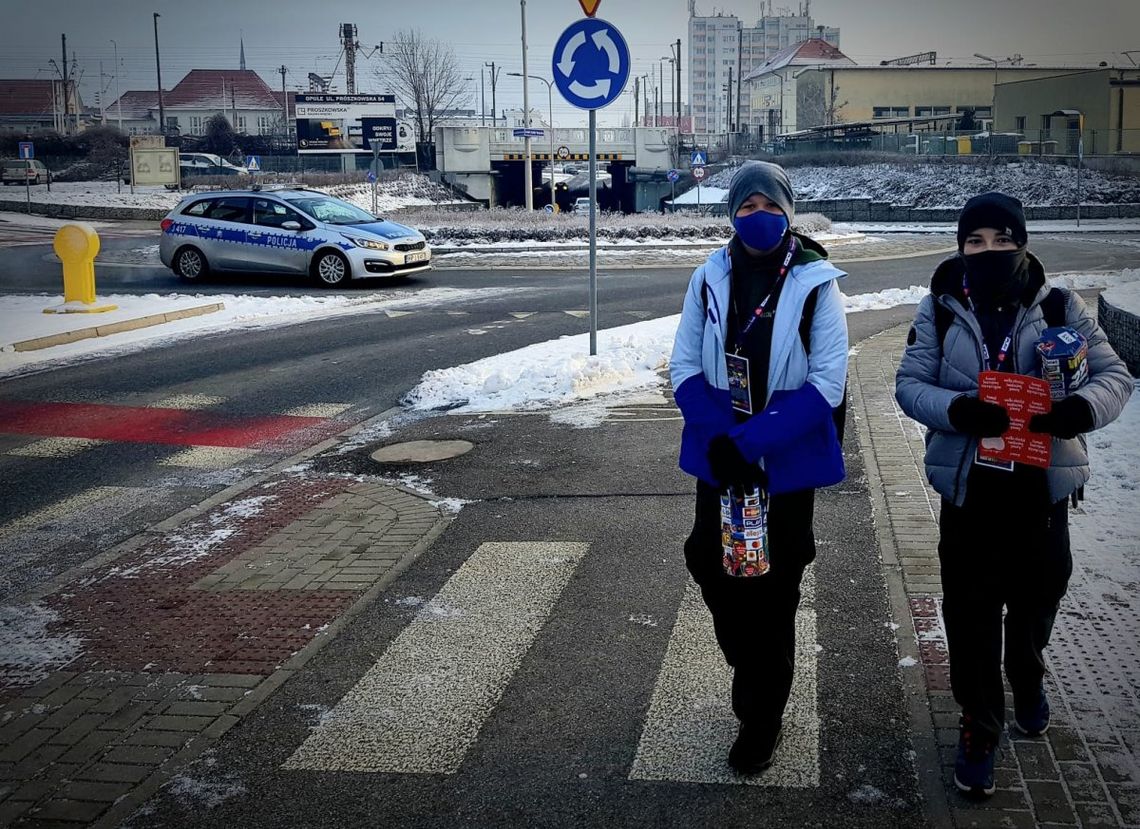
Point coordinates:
[[1026, 143]]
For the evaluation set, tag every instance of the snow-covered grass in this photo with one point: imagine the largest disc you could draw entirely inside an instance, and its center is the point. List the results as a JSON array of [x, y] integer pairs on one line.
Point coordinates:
[[949, 185]]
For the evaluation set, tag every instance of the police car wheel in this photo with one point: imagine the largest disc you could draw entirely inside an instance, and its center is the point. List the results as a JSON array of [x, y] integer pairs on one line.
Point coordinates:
[[331, 269], [190, 264]]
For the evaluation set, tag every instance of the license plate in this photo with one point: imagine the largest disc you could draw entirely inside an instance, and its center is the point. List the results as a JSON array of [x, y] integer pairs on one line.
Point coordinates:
[[415, 257]]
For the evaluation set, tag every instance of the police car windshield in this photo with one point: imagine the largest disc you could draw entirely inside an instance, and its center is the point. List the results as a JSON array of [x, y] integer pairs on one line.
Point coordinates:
[[332, 211]]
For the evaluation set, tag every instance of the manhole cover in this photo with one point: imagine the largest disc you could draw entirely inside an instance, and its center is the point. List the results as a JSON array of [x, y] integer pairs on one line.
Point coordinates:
[[422, 451]]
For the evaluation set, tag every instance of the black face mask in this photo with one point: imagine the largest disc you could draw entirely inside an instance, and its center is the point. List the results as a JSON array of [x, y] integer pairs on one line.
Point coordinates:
[[996, 277]]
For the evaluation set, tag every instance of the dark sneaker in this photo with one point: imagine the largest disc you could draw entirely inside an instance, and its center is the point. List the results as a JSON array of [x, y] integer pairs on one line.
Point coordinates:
[[754, 748], [1032, 719], [974, 767]]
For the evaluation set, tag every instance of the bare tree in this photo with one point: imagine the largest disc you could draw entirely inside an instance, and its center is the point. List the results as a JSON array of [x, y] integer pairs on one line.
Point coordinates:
[[424, 74]]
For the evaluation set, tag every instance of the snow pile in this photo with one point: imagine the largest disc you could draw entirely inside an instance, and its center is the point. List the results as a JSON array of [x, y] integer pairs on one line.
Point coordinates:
[[1125, 296], [28, 650], [949, 185], [1112, 281], [403, 191]]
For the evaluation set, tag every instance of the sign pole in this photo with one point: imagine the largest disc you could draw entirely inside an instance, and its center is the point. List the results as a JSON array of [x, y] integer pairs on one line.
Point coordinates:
[[593, 232], [375, 171]]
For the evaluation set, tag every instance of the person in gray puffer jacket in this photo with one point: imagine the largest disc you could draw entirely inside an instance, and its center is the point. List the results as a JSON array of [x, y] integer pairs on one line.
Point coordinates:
[[1004, 540]]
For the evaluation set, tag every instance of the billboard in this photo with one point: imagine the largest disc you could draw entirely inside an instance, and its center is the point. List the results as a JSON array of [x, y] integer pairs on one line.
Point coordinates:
[[328, 123], [155, 166]]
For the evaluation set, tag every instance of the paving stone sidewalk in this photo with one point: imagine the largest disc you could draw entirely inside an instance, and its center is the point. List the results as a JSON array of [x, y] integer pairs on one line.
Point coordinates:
[[1085, 772], [142, 663]]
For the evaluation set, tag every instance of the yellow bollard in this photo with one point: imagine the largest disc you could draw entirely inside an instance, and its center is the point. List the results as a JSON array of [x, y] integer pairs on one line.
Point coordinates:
[[77, 245]]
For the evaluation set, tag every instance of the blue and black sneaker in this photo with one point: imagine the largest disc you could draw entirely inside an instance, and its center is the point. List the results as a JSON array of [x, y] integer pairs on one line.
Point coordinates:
[[1031, 717], [974, 767]]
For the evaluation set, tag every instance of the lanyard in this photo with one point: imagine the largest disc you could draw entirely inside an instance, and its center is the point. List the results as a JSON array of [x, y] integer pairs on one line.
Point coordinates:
[[1003, 352], [764, 302]]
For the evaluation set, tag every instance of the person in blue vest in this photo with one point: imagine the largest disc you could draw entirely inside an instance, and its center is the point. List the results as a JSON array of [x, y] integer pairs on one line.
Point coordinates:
[[766, 310], [1003, 528]]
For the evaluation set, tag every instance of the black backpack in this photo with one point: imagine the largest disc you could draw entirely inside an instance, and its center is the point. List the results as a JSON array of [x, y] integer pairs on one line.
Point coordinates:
[[839, 413]]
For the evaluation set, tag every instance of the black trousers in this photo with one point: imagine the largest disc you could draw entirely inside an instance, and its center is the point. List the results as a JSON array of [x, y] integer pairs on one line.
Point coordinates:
[[995, 556], [755, 618]]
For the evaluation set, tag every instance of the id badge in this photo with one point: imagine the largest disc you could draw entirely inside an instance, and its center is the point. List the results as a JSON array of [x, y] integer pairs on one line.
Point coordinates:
[[739, 387], [992, 463]]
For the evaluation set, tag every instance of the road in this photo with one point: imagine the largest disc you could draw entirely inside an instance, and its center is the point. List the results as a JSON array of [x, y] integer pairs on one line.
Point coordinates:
[[573, 726]]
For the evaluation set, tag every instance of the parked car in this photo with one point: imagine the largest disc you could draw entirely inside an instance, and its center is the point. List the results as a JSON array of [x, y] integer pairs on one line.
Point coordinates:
[[581, 204], [24, 170], [293, 230], [192, 165]]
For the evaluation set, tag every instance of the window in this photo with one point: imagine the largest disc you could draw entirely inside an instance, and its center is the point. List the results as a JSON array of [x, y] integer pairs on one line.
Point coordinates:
[[942, 110], [1019, 123], [229, 210], [273, 214], [240, 125], [196, 125], [890, 112], [264, 125], [199, 208]]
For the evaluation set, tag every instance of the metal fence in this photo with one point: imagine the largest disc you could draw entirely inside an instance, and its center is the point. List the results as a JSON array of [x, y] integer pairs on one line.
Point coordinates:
[[1029, 142]]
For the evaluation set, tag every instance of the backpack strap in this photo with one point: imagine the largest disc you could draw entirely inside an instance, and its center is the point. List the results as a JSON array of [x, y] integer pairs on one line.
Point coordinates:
[[1053, 307], [806, 319]]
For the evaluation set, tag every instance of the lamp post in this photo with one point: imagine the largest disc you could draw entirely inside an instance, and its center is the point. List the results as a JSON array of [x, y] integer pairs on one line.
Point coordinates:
[[118, 95], [993, 104], [672, 92], [527, 174], [550, 107], [158, 72]]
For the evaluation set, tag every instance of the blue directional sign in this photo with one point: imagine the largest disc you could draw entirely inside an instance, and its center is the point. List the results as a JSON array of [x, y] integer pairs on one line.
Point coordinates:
[[591, 63], [698, 158], [27, 150], [532, 132], [673, 176], [371, 177]]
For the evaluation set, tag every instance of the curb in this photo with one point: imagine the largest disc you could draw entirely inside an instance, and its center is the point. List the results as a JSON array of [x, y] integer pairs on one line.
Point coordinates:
[[65, 337]]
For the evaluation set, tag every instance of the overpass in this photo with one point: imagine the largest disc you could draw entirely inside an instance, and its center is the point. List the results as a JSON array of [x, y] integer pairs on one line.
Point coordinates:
[[487, 163]]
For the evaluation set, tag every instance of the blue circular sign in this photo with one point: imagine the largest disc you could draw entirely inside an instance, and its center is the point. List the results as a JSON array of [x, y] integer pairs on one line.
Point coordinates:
[[673, 175], [591, 63]]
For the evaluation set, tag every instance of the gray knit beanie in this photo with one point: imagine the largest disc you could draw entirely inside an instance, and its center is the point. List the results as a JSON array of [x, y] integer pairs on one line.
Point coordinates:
[[765, 178]]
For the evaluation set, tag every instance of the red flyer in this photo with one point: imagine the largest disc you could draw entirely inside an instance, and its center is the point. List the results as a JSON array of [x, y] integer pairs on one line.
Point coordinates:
[[1022, 397]]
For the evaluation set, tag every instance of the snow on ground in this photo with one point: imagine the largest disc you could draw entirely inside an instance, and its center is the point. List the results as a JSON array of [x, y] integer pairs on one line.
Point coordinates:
[[30, 651], [1125, 296], [22, 317], [950, 184]]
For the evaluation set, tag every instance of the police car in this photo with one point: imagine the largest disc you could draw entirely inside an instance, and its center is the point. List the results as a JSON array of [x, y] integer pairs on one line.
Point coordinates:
[[294, 231]]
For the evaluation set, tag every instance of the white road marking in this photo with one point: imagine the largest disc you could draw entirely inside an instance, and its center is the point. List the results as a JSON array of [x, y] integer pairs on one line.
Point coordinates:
[[522, 315], [458, 313], [55, 447], [578, 314], [60, 509], [690, 725], [208, 457], [420, 708], [319, 410], [393, 314], [188, 401]]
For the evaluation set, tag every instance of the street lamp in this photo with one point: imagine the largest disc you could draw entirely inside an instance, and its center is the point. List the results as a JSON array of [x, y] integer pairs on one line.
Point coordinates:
[[550, 106], [672, 91], [993, 103], [158, 72], [118, 95]]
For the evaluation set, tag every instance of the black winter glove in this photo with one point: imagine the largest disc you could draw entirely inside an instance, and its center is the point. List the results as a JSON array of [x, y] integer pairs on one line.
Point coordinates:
[[1068, 418], [729, 466], [977, 417]]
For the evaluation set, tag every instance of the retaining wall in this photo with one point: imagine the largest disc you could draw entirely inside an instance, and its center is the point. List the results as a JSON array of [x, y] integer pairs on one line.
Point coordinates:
[[1123, 331]]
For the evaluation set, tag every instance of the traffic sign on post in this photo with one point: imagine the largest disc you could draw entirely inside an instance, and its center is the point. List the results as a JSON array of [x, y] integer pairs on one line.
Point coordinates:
[[564, 152], [673, 176], [698, 158], [698, 173], [532, 132], [591, 63], [589, 7], [27, 150], [253, 164]]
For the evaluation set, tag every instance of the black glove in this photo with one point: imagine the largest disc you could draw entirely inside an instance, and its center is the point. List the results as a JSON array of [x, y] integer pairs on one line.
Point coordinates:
[[1067, 419], [977, 417], [729, 466]]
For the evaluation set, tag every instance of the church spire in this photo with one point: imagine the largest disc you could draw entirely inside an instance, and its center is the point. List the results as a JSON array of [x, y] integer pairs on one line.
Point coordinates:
[[242, 39]]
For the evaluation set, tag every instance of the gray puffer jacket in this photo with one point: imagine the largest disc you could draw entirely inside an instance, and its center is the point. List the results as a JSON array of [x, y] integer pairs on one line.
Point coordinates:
[[932, 373]]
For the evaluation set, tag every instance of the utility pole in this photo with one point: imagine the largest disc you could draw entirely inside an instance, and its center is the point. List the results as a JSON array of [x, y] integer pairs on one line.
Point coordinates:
[[728, 111], [661, 91], [482, 98], [284, 105], [118, 95], [494, 79], [102, 95], [348, 38], [158, 73], [739, 70], [678, 83], [636, 100], [527, 172], [66, 97]]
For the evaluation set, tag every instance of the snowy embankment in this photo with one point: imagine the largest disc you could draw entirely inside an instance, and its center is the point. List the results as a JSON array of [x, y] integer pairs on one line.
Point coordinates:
[[949, 185]]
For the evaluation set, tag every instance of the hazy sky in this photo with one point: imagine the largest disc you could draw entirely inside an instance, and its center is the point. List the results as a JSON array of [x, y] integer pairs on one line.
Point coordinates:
[[302, 35]]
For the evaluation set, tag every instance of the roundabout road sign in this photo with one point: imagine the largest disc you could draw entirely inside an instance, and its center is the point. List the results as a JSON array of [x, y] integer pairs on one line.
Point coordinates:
[[591, 63]]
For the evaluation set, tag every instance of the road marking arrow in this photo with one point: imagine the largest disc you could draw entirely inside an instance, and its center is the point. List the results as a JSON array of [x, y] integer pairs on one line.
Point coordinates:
[[566, 65]]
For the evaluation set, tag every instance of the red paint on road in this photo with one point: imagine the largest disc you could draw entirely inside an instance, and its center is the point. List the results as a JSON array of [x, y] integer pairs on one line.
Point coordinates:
[[165, 426]]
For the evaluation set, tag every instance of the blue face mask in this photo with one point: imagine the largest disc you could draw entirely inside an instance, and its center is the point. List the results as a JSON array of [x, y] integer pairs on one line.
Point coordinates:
[[761, 230]]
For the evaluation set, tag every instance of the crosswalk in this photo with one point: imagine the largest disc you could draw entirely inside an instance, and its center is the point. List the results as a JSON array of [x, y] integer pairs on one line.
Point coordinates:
[[420, 707]]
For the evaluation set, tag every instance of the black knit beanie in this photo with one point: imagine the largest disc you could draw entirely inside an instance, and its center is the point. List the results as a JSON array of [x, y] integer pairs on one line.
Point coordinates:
[[996, 210]]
